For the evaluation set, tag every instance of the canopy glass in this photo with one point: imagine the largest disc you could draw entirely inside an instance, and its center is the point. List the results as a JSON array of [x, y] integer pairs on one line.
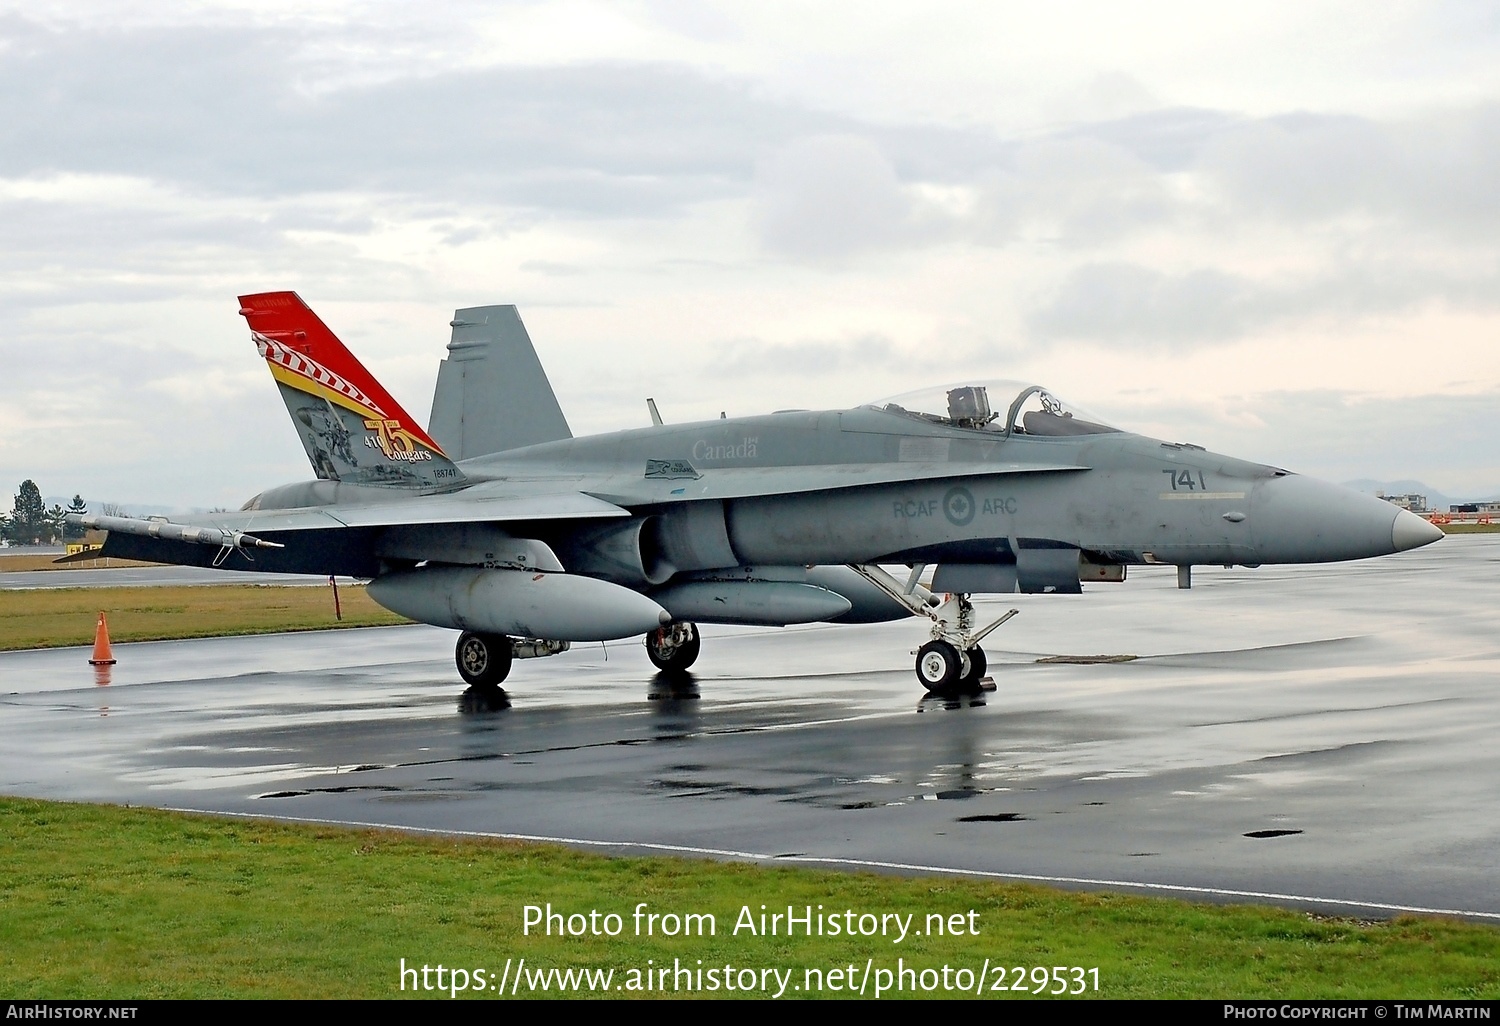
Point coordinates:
[[1022, 408]]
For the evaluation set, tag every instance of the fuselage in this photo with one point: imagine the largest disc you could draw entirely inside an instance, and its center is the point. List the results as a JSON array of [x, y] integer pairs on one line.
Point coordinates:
[[963, 495], [856, 486]]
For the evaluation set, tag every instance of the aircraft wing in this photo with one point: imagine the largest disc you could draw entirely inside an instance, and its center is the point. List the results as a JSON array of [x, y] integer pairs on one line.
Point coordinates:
[[680, 481], [430, 509], [465, 508], [342, 538], [336, 539]]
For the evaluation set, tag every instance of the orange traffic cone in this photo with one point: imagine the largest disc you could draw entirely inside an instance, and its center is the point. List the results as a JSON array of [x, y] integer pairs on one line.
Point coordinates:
[[102, 654]]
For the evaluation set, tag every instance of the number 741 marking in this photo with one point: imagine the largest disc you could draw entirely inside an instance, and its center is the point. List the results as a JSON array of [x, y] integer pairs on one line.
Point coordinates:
[[1183, 479]]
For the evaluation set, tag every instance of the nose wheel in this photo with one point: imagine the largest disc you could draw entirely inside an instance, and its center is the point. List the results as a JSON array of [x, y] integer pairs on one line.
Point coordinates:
[[673, 648], [942, 666], [977, 665], [483, 659]]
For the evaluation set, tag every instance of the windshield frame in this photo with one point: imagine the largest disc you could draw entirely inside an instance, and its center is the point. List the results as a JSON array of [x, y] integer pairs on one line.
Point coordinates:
[[1015, 407], [923, 405]]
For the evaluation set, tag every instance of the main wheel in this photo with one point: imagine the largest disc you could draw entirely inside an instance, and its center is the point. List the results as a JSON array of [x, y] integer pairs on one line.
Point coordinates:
[[939, 665], [483, 659], [977, 665], [673, 648]]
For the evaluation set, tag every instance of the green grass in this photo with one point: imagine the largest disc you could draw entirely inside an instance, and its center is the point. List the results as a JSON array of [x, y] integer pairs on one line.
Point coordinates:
[[10, 563], [1469, 528], [98, 901], [47, 618]]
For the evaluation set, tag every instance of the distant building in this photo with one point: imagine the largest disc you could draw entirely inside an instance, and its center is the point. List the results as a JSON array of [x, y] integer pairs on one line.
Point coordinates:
[[1463, 507], [1412, 501]]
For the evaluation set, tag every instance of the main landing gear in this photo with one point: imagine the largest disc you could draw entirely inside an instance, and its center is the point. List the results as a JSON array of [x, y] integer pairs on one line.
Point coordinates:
[[952, 660], [673, 648], [484, 660]]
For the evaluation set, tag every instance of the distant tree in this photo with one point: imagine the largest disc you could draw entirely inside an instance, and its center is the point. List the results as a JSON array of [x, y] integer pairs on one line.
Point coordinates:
[[55, 522], [29, 524], [113, 509], [72, 532]]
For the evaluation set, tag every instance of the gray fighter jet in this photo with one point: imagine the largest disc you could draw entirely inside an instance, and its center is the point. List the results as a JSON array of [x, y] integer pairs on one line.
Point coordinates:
[[497, 522]]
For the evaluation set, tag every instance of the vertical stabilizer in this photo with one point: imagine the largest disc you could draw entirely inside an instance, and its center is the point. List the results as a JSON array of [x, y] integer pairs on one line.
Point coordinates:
[[352, 428], [492, 394]]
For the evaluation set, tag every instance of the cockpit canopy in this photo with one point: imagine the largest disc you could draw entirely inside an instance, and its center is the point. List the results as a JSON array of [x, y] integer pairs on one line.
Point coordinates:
[[1005, 407]]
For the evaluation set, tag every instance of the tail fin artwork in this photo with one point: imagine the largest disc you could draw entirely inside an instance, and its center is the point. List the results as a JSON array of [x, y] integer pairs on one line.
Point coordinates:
[[351, 427], [492, 393]]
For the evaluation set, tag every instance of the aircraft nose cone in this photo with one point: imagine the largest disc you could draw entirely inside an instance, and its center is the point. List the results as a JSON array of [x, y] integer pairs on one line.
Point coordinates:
[[1411, 531], [1303, 520]]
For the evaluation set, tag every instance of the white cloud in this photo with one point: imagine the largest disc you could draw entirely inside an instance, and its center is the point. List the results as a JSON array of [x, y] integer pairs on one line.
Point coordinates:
[[1138, 204], [831, 196]]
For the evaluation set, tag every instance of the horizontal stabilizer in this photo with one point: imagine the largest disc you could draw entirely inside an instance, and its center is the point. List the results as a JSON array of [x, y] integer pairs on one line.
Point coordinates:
[[492, 394]]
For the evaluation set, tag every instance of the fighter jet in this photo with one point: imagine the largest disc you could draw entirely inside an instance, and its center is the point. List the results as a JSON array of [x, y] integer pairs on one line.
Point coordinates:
[[498, 523]]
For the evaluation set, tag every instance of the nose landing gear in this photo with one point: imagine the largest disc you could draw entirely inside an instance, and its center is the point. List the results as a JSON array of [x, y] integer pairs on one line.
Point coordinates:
[[953, 658], [942, 666]]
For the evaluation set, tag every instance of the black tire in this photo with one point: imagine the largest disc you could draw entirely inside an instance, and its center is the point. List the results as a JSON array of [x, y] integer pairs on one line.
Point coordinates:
[[977, 665], [677, 658], [483, 659], [939, 666]]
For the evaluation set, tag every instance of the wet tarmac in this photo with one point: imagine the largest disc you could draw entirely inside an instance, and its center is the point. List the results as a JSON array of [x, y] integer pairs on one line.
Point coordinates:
[[1321, 737]]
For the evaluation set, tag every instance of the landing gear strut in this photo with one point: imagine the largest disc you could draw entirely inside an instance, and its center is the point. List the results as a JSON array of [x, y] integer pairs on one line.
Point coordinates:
[[483, 659], [673, 648], [953, 657]]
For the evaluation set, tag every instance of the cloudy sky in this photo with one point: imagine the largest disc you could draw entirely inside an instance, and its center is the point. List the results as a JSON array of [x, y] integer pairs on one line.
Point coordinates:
[[1272, 230]]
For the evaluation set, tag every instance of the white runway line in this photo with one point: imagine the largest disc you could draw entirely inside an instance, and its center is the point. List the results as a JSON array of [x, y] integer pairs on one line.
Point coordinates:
[[752, 856]]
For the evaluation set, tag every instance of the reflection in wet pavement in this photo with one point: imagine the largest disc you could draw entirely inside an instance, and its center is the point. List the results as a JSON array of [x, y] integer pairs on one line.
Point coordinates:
[[1319, 732]]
